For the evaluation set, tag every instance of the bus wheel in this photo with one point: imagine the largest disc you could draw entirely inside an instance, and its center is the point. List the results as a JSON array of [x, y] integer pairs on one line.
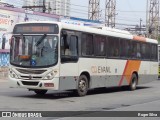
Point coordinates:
[[82, 87], [134, 81], [40, 92]]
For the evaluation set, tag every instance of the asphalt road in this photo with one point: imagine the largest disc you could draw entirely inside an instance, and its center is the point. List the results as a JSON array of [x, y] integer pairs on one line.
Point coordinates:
[[145, 98]]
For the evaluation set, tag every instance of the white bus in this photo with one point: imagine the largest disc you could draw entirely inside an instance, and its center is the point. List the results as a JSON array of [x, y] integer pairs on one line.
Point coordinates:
[[159, 61], [57, 56]]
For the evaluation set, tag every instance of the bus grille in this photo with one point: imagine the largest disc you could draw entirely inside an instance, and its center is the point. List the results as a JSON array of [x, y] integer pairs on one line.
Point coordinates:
[[31, 77], [30, 83], [24, 71]]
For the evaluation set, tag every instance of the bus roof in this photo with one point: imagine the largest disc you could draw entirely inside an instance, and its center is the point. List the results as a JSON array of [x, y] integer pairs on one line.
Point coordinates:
[[98, 30]]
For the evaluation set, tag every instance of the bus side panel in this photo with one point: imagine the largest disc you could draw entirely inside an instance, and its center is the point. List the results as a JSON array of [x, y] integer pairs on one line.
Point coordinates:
[[96, 67], [104, 75], [154, 69], [116, 71], [68, 76], [147, 72], [144, 74]]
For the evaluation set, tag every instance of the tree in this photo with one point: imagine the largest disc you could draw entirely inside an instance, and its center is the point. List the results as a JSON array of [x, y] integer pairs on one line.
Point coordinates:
[[159, 39]]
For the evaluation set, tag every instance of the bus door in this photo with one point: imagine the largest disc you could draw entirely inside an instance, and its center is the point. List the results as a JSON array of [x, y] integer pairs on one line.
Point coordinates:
[[69, 60]]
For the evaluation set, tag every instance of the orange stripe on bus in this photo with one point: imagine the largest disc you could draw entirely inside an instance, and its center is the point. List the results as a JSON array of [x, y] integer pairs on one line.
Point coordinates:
[[139, 38], [131, 66], [122, 77]]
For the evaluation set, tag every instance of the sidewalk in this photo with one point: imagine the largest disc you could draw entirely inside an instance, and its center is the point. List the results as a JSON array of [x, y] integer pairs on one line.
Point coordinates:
[[3, 79], [3, 74]]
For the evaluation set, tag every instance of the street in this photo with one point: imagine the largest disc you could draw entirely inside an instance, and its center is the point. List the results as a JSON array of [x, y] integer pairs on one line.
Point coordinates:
[[145, 98]]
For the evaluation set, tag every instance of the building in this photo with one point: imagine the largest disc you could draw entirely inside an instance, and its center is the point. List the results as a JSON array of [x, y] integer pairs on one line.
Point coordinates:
[[9, 3], [59, 7]]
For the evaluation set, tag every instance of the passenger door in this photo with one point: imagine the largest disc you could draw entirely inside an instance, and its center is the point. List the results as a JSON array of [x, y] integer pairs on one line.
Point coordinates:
[[69, 60]]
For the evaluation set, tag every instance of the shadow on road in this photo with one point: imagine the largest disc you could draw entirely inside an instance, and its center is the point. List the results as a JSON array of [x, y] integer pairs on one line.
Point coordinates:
[[112, 90], [67, 94]]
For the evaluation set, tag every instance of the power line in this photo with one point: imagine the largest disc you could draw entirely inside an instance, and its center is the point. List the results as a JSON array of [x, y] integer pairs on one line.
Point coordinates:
[[63, 3], [87, 7], [131, 11], [87, 11], [84, 12]]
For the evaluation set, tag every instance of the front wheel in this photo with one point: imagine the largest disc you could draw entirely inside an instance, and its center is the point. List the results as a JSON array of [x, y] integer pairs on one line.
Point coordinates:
[[134, 81], [82, 87], [40, 92]]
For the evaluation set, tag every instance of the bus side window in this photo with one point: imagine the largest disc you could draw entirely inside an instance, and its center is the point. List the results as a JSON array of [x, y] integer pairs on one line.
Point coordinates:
[[73, 45], [125, 48], [114, 48], [154, 56], [100, 45], [139, 51], [133, 50], [87, 45]]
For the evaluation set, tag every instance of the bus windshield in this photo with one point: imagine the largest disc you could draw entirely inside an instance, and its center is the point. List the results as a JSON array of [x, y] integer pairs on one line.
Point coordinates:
[[34, 50]]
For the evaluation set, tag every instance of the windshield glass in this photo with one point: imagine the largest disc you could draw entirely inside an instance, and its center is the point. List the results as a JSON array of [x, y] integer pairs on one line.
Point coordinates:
[[34, 51]]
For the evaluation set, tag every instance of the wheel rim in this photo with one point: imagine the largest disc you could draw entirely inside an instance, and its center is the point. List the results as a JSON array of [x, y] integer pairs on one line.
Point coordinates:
[[82, 85], [134, 83]]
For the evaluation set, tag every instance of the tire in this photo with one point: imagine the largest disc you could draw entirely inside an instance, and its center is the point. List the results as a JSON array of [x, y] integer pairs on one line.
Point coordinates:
[[82, 86], [134, 81], [40, 92]]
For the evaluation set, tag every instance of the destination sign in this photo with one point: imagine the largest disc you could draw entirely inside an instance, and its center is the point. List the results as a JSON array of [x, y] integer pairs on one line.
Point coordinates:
[[36, 29]]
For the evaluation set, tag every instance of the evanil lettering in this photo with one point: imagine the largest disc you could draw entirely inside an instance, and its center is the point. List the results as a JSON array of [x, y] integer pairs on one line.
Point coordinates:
[[102, 69]]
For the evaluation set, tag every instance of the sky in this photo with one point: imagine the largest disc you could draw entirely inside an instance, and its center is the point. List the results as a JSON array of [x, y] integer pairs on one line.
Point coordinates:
[[128, 11], [14, 2]]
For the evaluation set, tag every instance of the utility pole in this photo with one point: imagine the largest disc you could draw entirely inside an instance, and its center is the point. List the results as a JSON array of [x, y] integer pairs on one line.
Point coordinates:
[[152, 19], [94, 9], [44, 6], [49, 8], [140, 27], [110, 13]]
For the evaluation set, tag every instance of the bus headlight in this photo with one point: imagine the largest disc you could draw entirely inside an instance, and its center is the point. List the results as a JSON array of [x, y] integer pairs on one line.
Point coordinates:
[[50, 75], [12, 74]]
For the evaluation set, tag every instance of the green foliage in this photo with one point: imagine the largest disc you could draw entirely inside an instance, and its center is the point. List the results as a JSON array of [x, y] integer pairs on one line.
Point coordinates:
[[159, 39]]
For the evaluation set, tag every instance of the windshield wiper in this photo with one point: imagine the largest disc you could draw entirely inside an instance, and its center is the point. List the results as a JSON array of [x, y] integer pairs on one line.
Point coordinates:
[[40, 40]]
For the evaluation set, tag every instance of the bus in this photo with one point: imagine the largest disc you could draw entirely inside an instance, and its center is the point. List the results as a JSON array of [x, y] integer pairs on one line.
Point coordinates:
[[159, 61], [57, 56]]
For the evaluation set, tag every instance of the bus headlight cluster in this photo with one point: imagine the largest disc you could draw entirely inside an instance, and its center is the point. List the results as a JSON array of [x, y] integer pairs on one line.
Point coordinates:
[[12, 74], [50, 75]]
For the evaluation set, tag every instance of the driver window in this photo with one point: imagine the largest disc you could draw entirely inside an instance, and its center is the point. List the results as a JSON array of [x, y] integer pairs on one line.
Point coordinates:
[[64, 45], [69, 45]]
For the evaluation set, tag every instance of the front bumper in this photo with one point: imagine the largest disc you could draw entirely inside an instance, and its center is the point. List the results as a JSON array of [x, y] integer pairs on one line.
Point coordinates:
[[34, 84]]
